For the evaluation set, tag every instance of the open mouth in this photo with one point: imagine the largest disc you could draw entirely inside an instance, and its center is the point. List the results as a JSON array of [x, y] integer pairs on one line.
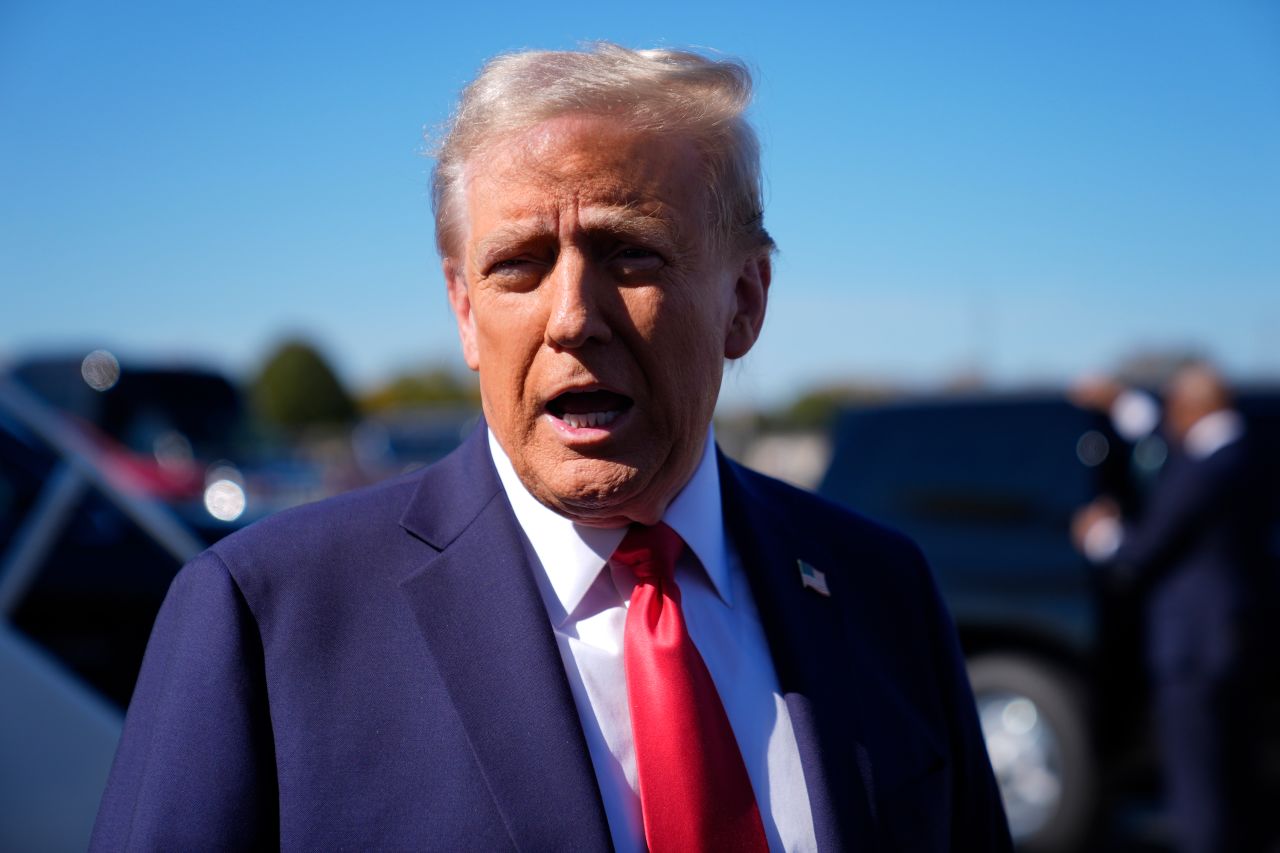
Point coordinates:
[[585, 409]]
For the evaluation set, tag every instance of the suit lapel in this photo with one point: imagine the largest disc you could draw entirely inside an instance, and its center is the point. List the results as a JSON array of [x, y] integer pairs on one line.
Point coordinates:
[[479, 609], [812, 657]]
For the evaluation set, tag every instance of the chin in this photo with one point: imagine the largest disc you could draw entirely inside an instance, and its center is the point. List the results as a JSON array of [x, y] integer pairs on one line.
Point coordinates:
[[599, 493]]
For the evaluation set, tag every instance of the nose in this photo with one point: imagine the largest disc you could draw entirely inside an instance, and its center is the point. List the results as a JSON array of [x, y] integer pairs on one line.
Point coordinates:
[[576, 315]]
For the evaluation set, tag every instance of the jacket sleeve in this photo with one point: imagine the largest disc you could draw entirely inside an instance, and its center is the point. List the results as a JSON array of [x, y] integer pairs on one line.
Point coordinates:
[[1181, 507], [195, 769]]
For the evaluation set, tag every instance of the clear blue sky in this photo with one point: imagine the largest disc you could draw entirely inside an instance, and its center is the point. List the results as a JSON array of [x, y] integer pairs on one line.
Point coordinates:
[[1029, 189]]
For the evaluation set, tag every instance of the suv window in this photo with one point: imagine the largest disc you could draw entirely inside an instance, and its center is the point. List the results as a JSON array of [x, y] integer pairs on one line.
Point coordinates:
[[963, 464], [986, 488], [96, 596], [77, 575], [24, 466]]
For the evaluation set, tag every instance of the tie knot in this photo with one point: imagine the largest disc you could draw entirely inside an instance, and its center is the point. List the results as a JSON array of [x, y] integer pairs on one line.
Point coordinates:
[[650, 552]]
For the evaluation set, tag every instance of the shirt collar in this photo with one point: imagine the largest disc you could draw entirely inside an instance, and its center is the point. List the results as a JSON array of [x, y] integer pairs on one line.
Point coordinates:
[[696, 515], [1213, 432], [572, 555]]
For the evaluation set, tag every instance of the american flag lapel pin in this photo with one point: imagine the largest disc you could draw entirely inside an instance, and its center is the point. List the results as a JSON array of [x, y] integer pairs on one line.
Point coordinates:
[[811, 578]]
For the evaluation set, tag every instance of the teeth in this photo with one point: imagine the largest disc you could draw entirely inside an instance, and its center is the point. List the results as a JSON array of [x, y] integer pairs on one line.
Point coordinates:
[[589, 419]]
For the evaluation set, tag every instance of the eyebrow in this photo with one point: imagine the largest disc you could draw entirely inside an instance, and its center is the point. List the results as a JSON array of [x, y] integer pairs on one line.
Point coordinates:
[[629, 220], [620, 220], [505, 235]]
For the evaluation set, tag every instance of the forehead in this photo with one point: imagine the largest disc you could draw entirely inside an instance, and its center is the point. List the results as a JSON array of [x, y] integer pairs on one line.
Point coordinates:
[[578, 164]]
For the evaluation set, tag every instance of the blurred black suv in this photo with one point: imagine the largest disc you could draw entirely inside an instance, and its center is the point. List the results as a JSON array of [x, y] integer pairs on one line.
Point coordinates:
[[987, 486], [87, 551]]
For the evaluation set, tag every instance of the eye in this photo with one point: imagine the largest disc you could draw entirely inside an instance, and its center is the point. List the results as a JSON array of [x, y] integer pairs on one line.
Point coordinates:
[[518, 273], [636, 259], [508, 265], [517, 259]]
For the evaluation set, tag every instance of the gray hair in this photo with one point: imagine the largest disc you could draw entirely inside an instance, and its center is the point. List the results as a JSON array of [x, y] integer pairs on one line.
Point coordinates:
[[653, 91]]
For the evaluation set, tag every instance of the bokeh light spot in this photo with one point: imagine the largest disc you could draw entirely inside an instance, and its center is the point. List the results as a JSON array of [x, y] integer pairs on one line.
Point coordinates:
[[224, 500], [100, 370], [1092, 448]]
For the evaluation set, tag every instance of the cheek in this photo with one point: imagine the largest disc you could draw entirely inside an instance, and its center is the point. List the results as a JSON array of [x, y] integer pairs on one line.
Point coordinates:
[[688, 354], [698, 327], [508, 322], [509, 336]]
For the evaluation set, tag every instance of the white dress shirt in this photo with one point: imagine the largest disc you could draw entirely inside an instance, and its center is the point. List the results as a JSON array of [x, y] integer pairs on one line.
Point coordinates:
[[588, 609], [1213, 432]]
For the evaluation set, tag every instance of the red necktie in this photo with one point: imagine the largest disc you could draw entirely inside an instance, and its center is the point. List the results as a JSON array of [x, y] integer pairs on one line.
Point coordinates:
[[694, 790]]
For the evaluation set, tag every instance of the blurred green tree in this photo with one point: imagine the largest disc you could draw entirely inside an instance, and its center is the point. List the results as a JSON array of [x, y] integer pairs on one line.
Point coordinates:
[[298, 390], [431, 387]]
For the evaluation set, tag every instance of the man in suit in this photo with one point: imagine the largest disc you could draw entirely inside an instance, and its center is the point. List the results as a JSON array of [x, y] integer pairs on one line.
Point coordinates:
[[586, 628], [1197, 555]]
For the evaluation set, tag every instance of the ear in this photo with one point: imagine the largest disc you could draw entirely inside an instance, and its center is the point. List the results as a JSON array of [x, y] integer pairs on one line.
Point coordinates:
[[750, 297], [460, 301]]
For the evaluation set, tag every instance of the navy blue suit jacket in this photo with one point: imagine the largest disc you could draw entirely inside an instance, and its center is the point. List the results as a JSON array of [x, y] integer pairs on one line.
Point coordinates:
[[378, 671], [1198, 552]]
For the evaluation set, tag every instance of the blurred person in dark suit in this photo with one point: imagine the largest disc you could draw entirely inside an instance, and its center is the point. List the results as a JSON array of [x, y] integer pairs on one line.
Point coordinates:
[[1196, 552], [585, 629]]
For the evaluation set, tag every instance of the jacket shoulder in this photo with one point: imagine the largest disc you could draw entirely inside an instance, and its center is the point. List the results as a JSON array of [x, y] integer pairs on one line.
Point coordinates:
[[323, 551], [324, 524], [807, 515]]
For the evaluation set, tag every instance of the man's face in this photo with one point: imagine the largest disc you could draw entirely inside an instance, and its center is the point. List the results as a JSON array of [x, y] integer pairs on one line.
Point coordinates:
[[1194, 392], [597, 312]]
